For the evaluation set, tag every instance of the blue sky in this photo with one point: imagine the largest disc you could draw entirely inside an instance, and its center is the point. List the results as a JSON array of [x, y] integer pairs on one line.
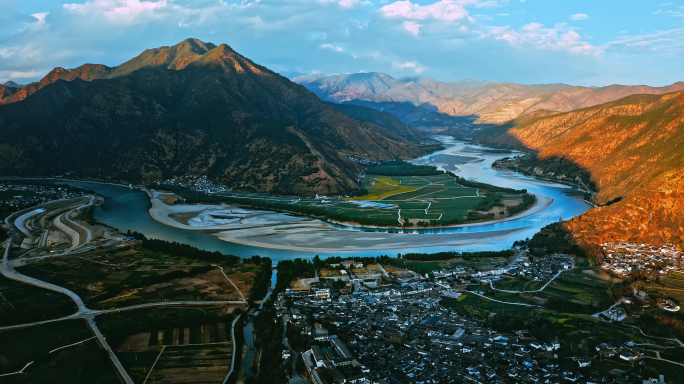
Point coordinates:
[[577, 42]]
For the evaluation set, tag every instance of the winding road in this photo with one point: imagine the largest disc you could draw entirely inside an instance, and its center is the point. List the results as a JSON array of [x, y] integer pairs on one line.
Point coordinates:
[[8, 270]]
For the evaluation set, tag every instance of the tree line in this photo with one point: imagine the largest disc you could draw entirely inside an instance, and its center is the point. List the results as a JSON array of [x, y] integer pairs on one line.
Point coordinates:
[[453, 254], [401, 168], [262, 277], [175, 248]]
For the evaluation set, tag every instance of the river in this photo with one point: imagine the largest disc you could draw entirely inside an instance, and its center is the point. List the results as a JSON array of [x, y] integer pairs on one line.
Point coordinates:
[[127, 208]]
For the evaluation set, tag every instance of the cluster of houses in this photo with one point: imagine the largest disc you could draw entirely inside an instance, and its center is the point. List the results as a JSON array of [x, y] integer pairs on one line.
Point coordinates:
[[21, 196], [397, 332], [541, 268], [623, 258], [413, 339], [195, 183], [628, 351]]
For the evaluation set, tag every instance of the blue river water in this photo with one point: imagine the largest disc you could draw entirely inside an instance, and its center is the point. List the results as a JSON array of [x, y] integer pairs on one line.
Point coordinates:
[[127, 208]]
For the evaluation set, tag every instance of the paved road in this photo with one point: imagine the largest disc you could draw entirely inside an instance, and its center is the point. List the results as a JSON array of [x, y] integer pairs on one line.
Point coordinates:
[[491, 283], [655, 337], [7, 270], [503, 302], [232, 337], [382, 269]]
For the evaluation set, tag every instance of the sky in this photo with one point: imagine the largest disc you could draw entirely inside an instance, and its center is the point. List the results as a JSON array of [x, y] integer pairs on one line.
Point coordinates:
[[577, 42]]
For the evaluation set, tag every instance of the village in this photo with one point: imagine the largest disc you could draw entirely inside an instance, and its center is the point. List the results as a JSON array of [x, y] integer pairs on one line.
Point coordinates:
[[647, 261], [16, 196], [194, 183], [378, 324]]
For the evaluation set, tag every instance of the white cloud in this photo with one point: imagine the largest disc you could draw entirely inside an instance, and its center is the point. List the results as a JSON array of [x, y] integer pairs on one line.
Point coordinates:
[[559, 38], [668, 43], [330, 46], [289, 34], [579, 16], [447, 10], [412, 27]]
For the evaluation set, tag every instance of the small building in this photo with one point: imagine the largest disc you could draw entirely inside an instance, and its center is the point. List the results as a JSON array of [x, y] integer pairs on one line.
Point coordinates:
[[584, 361]]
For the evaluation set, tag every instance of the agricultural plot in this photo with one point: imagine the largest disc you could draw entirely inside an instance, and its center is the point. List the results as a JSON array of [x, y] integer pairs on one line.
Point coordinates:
[[517, 284], [114, 279], [674, 281], [179, 352], [141, 337], [22, 303], [192, 364], [434, 200], [60, 352], [474, 305], [578, 286]]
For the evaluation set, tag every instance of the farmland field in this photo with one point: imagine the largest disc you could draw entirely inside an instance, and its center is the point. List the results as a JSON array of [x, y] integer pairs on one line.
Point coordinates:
[[394, 200], [84, 362], [22, 303], [674, 281], [113, 279]]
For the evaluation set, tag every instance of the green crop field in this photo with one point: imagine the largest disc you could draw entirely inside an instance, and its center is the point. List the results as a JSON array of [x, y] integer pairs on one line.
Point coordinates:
[[391, 200]]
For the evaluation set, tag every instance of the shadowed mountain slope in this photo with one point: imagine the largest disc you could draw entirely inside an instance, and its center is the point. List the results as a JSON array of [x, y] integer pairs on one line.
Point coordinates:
[[193, 108]]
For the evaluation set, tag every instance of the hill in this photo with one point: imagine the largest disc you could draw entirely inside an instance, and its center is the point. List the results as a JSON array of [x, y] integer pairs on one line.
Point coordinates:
[[382, 119], [192, 108], [12, 84], [634, 150], [423, 101]]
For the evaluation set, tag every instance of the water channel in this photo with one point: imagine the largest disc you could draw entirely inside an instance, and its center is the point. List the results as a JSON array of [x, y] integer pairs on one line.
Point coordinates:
[[127, 208]]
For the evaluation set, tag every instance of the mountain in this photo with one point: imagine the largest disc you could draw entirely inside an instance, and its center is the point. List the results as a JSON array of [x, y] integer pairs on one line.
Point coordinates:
[[572, 98], [382, 119], [423, 101], [12, 84], [634, 150], [473, 82], [291, 74], [192, 108], [420, 99]]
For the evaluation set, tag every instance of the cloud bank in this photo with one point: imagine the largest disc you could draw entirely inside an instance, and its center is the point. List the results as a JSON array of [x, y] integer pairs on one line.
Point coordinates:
[[446, 39]]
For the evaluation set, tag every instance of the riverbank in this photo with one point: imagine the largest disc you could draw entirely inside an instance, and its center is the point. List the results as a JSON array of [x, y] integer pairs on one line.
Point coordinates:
[[231, 217], [273, 230], [320, 237]]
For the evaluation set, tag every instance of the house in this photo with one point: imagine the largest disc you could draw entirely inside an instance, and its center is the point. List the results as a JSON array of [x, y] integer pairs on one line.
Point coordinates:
[[584, 361], [617, 314]]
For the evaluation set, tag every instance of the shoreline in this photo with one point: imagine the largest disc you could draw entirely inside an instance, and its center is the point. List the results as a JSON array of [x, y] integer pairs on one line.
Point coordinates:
[[160, 212], [279, 236], [75, 180]]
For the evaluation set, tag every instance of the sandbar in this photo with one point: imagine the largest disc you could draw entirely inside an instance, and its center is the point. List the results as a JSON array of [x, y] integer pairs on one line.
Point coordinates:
[[318, 236]]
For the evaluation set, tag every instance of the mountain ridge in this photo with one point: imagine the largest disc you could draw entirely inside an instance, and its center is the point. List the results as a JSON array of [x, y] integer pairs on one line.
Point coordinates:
[[633, 149], [192, 109], [433, 103]]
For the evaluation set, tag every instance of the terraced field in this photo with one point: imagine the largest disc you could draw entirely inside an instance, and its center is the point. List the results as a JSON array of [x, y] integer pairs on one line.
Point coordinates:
[[578, 286], [674, 281]]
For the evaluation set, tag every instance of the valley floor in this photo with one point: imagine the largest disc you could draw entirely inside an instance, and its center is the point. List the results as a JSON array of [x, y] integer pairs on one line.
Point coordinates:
[[269, 229]]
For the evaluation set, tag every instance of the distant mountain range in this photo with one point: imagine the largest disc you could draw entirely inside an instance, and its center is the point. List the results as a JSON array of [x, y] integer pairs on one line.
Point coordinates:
[[423, 101], [12, 84], [634, 150], [193, 108]]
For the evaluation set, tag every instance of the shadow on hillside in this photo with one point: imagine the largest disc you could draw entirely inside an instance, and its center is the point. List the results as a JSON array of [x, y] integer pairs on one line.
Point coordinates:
[[416, 115], [554, 167]]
